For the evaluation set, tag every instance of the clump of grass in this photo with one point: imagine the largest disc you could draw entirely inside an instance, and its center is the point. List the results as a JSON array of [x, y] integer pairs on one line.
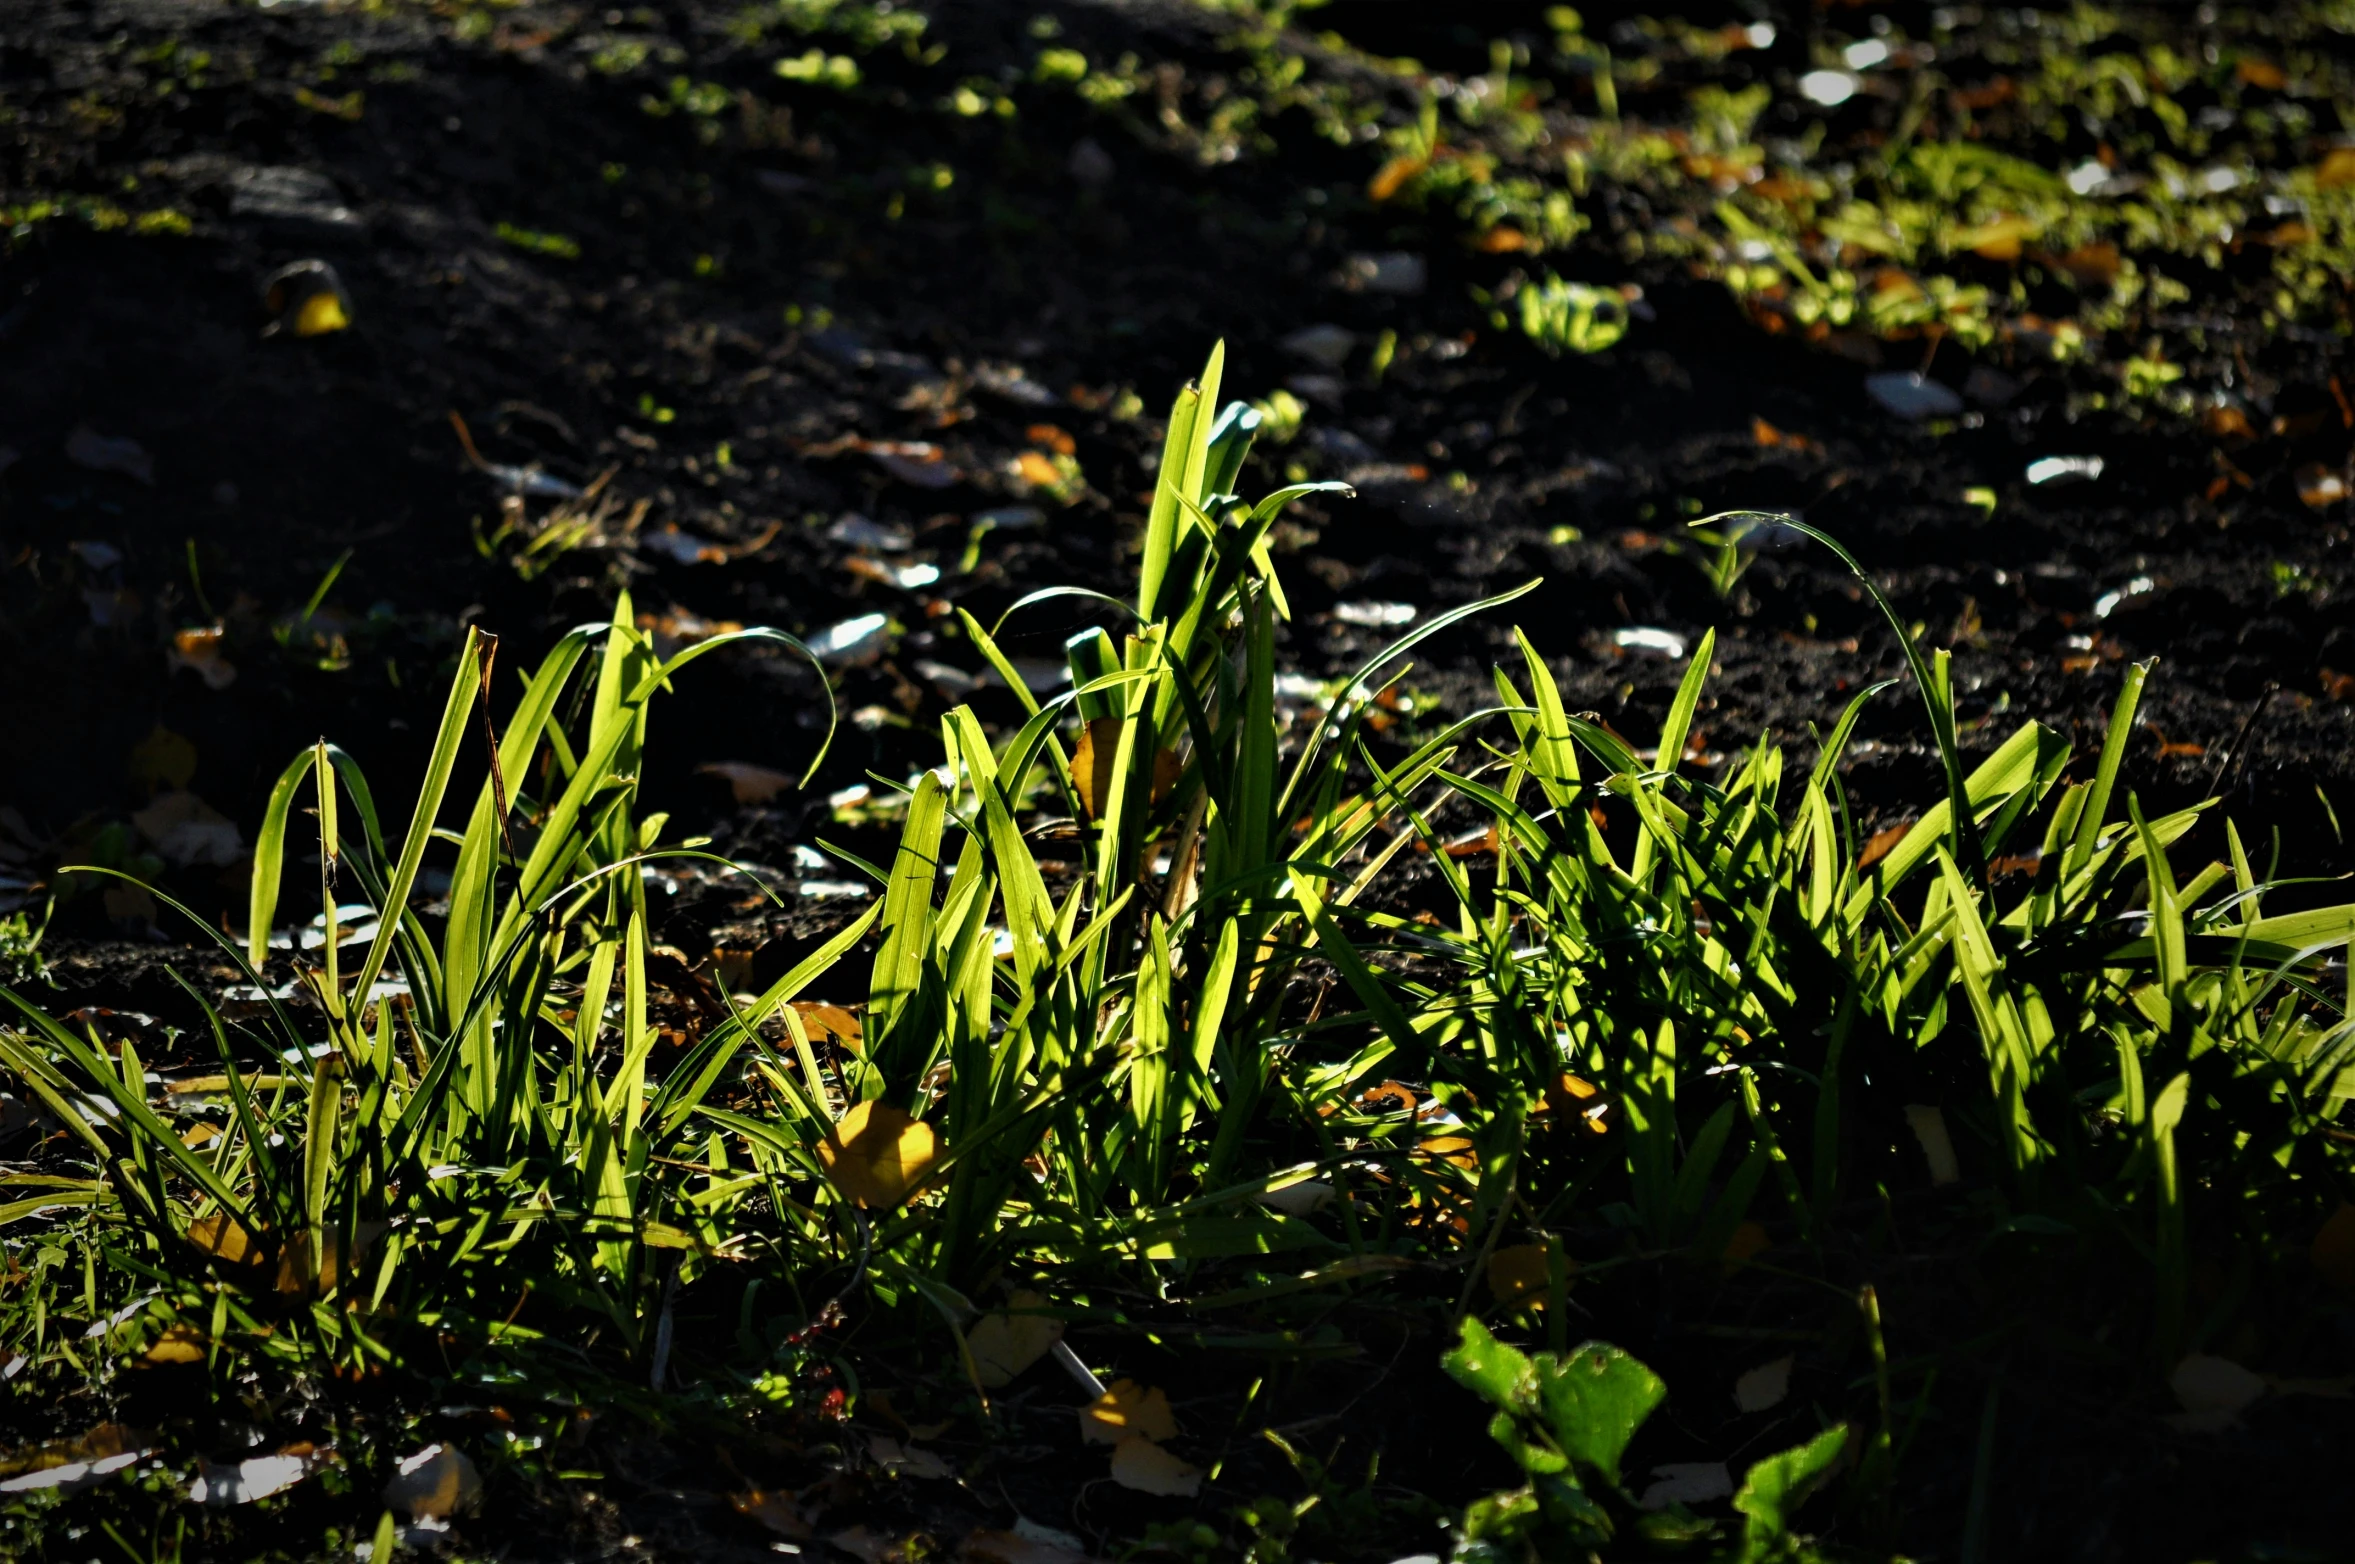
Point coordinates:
[[1641, 1023]]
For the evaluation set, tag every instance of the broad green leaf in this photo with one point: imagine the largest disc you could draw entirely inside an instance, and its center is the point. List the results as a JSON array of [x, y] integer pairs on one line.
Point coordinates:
[[1594, 1401]]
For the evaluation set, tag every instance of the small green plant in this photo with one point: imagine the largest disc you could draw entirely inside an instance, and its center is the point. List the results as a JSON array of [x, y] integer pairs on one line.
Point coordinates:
[[21, 961], [1570, 317], [562, 247], [1567, 1421]]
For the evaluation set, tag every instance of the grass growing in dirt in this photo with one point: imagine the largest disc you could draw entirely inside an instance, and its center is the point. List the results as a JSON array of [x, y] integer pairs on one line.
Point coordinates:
[[1182, 1032]]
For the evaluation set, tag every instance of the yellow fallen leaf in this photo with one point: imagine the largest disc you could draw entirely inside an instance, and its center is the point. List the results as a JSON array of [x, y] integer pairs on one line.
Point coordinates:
[[1457, 1149], [320, 314], [1125, 1410], [2336, 169], [1517, 1276], [220, 1236], [876, 1154], [1004, 1344], [1139, 1463], [178, 1344], [820, 1019]]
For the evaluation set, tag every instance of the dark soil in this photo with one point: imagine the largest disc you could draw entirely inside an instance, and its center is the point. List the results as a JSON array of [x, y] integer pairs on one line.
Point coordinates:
[[687, 325]]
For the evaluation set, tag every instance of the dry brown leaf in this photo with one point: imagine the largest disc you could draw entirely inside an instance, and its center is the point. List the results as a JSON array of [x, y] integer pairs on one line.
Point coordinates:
[[1880, 844], [434, 1483], [1501, 240], [1517, 1276], [1457, 1149], [1005, 1344], [221, 1236], [1091, 764], [749, 783], [1139, 1463], [2319, 487], [874, 1547], [2333, 1249], [1687, 1482], [178, 1344], [876, 1154], [1305, 1198], [906, 1460], [2213, 1393], [1125, 1410], [1748, 1242], [163, 759], [820, 1019], [775, 1509], [1051, 437], [200, 649], [1929, 1127], [1764, 1386], [1011, 1547]]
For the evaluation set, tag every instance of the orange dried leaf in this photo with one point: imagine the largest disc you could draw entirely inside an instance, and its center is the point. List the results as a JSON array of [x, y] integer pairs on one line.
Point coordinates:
[[1881, 843], [1393, 175], [1501, 240], [1032, 468], [2260, 73], [1052, 438], [1457, 1149], [877, 1154], [199, 650], [2336, 169], [1127, 1410]]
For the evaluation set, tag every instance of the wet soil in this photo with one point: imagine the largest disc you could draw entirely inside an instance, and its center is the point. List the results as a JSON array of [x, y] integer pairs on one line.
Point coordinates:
[[754, 289]]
